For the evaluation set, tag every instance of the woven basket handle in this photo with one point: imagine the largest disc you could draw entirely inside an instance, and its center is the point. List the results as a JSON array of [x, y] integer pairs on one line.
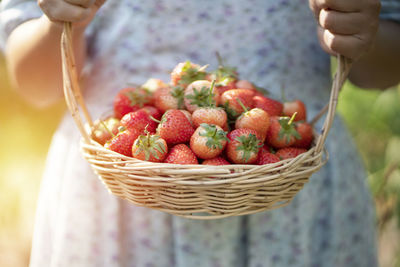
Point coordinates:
[[72, 92], [74, 100], [342, 71]]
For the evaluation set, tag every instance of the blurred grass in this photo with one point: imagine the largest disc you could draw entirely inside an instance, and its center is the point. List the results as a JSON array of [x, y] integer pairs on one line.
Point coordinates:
[[373, 118]]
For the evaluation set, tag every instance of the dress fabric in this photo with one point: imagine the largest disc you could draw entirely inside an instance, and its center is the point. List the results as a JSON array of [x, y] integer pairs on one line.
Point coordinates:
[[331, 222]]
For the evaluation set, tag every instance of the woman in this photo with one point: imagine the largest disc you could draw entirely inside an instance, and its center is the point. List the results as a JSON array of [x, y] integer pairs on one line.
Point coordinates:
[[274, 44]]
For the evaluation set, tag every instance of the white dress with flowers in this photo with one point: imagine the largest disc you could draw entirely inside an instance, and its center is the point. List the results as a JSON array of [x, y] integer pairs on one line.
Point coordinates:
[[274, 44]]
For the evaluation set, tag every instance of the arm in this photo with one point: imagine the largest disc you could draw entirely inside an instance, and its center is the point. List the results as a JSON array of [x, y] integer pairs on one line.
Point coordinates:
[[33, 52], [380, 68], [33, 57]]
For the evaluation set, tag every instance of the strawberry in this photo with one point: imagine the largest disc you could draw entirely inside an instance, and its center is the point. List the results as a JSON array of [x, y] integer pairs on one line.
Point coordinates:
[[188, 116], [272, 107], [289, 108], [224, 76], [140, 120], [122, 142], [210, 113], [305, 131], [244, 84], [150, 148], [226, 127], [256, 119], [152, 111], [222, 87], [200, 94], [243, 146], [186, 72], [130, 99], [216, 116], [289, 152], [175, 127], [282, 132], [168, 97], [266, 157], [208, 141], [152, 85], [181, 154], [104, 130], [230, 98], [216, 161]]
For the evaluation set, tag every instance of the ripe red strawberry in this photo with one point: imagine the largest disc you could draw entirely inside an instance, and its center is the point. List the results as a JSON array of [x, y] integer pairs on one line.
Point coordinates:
[[208, 141], [122, 142], [150, 148], [216, 161], [231, 104], [188, 116], [282, 132], [265, 157], [181, 154], [225, 86], [266, 148], [289, 152], [199, 94], [244, 84], [175, 127], [289, 108], [129, 100], [210, 115], [186, 72], [140, 120], [152, 111], [243, 146], [104, 130], [256, 119], [272, 107], [305, 131], [169, 97]]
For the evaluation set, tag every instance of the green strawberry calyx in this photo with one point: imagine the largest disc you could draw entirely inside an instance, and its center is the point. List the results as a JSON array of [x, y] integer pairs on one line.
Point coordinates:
[[248, 145], [149, 144], [191, 74], [288, 128], [214, 136], [137, 98], [178, 93], [224, 74], [201, 98]]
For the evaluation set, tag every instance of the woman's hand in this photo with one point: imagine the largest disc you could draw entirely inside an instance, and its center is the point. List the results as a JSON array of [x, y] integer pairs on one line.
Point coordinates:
[[346, 27], [80, 12]]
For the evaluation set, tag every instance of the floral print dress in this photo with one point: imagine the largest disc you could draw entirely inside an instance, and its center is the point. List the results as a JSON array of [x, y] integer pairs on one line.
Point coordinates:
[[331, 222]]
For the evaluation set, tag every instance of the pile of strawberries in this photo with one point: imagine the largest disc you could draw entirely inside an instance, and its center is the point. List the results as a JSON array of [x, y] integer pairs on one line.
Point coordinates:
[[204, 117]]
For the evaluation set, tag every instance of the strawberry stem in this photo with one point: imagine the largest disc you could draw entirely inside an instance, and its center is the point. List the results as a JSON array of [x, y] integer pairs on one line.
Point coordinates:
[[210, 95], [154, 119], [219, 58], [241, 104], [292, 118], [108, 130]]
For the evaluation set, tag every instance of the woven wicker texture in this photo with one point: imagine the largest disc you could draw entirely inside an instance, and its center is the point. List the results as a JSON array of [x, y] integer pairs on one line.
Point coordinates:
[[197, 191]]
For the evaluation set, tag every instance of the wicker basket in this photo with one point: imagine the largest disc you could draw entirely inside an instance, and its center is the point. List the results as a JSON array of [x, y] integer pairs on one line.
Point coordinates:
[[197, 191]]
